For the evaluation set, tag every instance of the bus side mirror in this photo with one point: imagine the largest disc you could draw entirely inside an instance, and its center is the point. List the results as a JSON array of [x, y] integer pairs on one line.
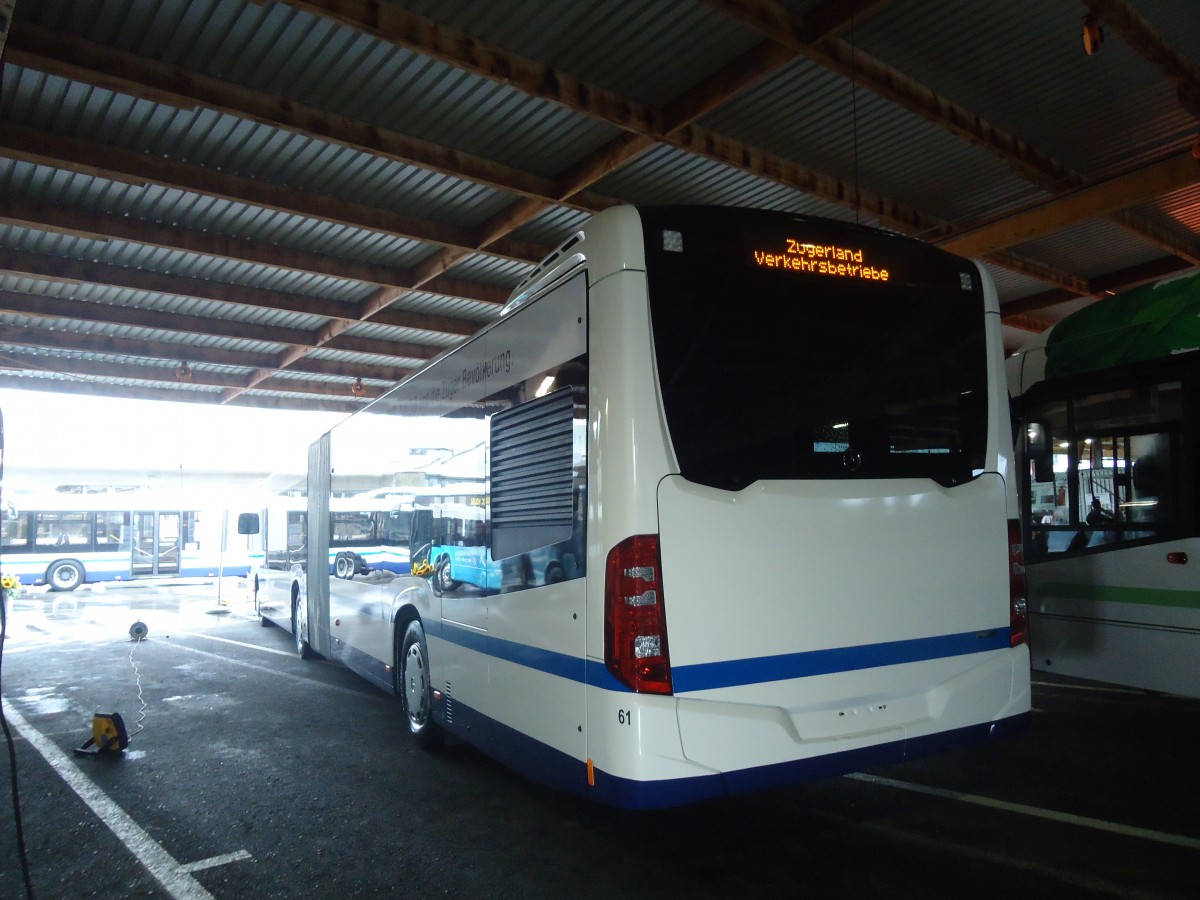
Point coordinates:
[[248, 523], [1039, 449]]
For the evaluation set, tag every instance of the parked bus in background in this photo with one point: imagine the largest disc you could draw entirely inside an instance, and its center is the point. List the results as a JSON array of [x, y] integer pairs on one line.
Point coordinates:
[[65, 540], [746, 519], [1107, 405]]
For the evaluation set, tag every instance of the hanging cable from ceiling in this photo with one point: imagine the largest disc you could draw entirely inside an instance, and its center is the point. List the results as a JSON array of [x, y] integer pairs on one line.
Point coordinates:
[[854, 119]]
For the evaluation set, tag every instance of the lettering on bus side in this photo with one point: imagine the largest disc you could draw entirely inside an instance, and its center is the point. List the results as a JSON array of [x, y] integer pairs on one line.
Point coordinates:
[[501, 363]]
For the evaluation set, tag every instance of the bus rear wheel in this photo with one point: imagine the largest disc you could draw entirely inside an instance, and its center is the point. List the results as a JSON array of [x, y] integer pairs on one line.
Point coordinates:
[[416, 689], [64, 575], [303, 650]]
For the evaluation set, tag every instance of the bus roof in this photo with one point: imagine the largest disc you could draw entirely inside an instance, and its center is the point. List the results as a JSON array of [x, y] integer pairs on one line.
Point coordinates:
[[1147, 322]]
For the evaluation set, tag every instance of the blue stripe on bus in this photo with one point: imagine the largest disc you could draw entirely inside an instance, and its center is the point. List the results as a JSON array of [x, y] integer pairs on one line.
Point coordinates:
[[736, 672], [546, 765], [561, 664]]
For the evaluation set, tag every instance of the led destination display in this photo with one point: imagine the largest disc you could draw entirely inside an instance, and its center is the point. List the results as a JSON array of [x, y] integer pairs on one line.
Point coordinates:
[[819, 259]]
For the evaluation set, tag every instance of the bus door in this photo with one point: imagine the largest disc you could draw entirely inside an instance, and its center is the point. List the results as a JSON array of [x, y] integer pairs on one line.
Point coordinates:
[[420, 538], [359, 607], [156, 543]]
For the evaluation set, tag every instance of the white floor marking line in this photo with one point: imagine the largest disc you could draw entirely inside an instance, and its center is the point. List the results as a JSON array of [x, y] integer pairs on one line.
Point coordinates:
[[210, 637], [163, 867], [1147, 834], [257, 668], [1091, 688], [213, 861], [1090, 883]]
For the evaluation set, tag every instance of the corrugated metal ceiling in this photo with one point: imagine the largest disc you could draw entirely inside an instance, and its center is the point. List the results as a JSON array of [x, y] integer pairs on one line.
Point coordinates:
[[219, 182]]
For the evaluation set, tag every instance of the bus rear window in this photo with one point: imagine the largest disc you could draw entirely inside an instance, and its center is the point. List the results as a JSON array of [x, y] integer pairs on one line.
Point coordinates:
[[782, 355]]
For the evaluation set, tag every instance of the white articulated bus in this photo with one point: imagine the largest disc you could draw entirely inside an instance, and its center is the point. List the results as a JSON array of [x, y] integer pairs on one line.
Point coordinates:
[[747, 517], [1108, 405]]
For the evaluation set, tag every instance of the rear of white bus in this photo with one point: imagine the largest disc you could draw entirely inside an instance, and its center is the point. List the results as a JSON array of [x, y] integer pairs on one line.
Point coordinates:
[[802, 487]]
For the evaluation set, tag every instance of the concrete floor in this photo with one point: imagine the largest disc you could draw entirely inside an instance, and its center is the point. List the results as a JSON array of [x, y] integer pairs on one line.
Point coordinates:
[[257, 774]]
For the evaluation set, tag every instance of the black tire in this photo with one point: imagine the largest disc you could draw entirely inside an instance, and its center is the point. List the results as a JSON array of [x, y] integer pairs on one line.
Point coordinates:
[[344, 565], [64, 575], [303, 650], [441, 578], [416, 689], [555, 574]]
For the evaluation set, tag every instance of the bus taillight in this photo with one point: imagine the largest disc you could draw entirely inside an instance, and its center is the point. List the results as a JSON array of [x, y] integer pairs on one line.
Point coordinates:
[[1018, 610], [635, 624]]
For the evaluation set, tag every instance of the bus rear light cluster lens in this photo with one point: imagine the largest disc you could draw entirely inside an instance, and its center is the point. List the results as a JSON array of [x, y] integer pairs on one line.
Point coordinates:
[[647, 598], [635, 624], [645, 645]]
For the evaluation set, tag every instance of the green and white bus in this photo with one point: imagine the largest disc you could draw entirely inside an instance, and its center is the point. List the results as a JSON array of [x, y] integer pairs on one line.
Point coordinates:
[[1107, 408]]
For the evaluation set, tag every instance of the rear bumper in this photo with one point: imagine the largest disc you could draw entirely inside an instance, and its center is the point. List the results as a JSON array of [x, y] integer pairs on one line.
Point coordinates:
[[630, 794]]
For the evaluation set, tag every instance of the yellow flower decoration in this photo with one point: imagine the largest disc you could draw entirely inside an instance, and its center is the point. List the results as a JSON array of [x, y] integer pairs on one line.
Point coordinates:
[[8, 582]]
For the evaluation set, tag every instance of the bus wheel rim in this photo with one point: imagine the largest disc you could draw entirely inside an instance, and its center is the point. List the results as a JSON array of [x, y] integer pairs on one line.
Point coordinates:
[[414, 686]]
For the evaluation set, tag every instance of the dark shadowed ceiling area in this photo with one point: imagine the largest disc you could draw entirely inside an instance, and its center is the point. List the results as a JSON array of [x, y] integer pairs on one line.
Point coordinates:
[[293, 203]]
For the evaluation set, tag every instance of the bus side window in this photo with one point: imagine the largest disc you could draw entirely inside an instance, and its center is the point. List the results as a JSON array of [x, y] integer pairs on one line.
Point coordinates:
[[15, 531]]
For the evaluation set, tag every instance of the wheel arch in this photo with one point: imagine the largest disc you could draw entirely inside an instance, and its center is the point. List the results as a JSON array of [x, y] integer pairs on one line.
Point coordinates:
[[413, 602]]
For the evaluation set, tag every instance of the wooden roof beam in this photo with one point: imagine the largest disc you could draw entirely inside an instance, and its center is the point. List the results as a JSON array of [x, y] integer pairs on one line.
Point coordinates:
[[1184, 246], [66, 271], [402, 27], [1072, 285], [1111, 283], [795, 34], [87, 368], [97, 226], [130, 167], [1099, 199], [43, 307], [176, 352], [181, 351], [61, 270], [45, 148], [1121, 16], [394, 24], [399, 26], [1146, 40], [678, 116], [777, 23], [76, 59]]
